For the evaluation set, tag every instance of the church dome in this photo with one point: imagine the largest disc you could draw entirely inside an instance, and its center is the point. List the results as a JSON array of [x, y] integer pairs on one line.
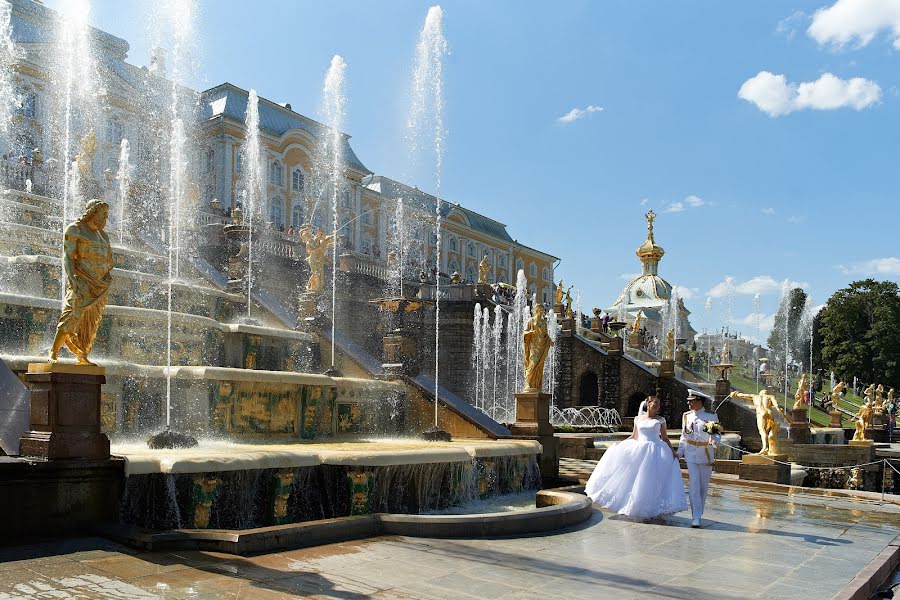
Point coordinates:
[[647, 290]]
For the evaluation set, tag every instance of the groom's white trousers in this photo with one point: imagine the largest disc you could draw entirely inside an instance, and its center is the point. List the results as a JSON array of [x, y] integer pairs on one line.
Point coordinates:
[[699, 486]]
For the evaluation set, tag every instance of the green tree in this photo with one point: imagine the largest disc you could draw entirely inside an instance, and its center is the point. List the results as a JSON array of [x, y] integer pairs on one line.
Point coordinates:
[[798, 337], [860, 332]]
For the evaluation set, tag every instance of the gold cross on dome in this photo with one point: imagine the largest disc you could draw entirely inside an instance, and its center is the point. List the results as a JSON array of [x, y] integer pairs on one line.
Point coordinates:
[[650, 216]]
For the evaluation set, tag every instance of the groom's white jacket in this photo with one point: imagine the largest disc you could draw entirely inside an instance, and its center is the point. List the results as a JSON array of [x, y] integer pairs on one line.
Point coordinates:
[[696, 445]]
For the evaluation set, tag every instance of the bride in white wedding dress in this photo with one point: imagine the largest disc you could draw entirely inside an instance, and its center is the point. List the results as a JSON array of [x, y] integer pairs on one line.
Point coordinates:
[[640, 477]]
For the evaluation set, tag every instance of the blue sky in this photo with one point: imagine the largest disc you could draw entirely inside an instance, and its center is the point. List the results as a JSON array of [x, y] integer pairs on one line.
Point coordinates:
[[795, 178]]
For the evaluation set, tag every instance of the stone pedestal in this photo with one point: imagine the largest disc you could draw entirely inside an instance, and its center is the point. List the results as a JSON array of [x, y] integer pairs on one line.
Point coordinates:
[[759, 467], [667, 368], [615, 346], [860, 443], [835, 418], [723, 388], [560, 310], [308, 302], [799, 425], [533, 422], [399, 354], [596, 325], [879, 427], [680, 356], [65, 412], [634, 339]]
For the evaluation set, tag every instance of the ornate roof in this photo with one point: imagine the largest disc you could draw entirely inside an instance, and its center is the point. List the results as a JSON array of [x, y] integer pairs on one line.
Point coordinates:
[[647, 290]]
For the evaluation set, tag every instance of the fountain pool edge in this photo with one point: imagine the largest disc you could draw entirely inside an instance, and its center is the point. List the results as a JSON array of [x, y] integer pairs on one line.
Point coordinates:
[[556, 509]]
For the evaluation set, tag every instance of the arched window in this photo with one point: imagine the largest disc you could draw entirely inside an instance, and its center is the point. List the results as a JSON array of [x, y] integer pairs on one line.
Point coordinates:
[[318, 220], [470, 275], [490, 277], [470, 249], [276, 173], [367, 244], [520, 265], [298, 180], [533, 270], [452, 244], [238, 162], [113, 131], [453, 266], [210, 159], [276, 211], [532, 289], [501, 278], [502, 260], [297, 215], [26, 103], [545, 295], [345, 198], [546, 273]]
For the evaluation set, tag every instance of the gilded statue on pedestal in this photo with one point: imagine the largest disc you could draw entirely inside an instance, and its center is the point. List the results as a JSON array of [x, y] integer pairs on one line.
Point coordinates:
[[670, 345], [483, 269], [87, 264], [869, 391], [85, 158], [568, 310], [836, 394], [537, 346], [764, 403], [863, 420], [317, 245], [879, 398], [802, 389], [558, 300], [636, 327]]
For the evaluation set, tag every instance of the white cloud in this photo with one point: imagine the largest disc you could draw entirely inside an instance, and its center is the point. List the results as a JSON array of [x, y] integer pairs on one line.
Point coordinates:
[[629, 276], [768, 211], [856, 22], [644, 201], [761, 284], [775, 96], [694, 201], [794, 219], [788, 26], [579, 113], [877, 266], [686, 293], [691, 201]]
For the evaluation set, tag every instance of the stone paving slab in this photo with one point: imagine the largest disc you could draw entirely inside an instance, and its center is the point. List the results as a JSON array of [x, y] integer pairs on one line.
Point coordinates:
[[754, 544]]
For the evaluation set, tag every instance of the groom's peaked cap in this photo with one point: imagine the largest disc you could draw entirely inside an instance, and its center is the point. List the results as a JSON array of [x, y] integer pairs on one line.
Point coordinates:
[[696, 394]]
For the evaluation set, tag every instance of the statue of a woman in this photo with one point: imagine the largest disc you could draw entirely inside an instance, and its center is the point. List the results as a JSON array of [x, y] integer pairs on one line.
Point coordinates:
[[537, 345], [802, 389], [316, 247]]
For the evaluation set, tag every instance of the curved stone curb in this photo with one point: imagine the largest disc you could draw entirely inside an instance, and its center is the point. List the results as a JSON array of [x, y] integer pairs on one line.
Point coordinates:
[[555, 509], [873, 575]]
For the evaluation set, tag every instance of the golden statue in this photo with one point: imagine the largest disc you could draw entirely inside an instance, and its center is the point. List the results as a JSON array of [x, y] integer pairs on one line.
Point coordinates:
[[316, 247], [85, 158], [836, 394], [637, 321], [87, 264], [869, 391], [568, 311], [670, 344], [723, 357], [559, 293], [537, 346], [483, 269], [763, 404], [879, 397], [802, 389], [863, 420]]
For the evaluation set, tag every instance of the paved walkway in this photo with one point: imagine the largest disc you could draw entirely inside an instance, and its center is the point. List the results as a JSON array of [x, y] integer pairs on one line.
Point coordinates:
[[754, 545]]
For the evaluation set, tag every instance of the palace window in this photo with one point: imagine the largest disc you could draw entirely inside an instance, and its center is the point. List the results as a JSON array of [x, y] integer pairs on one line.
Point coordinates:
[[546, 273], [298, 181], [318, 220], [113, 131], [367, 245], [502, 260], [533, 270], [452, 244], [470, 249], [345, 198], [276, 173], [210, 159], [26, 104], [453, 266], [276, 211], [367, 217], [470, 275], [297, 215]]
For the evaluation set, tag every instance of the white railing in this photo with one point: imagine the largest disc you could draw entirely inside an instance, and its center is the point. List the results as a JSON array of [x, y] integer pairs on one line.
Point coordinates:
[[356, 264], [15, 174]]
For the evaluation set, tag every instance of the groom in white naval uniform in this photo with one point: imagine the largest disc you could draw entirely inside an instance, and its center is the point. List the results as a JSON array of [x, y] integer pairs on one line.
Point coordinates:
[[698, 449]]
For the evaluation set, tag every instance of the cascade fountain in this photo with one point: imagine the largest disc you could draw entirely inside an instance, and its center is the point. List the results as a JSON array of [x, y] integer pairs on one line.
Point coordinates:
[[428, 109], [9, 54], [477, 324], [123, 176], [334, 109], [498, 337], [77, 73], [255, 191]]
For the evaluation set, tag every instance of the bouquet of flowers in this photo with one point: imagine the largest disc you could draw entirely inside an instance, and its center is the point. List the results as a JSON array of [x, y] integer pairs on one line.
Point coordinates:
[[712, 428]]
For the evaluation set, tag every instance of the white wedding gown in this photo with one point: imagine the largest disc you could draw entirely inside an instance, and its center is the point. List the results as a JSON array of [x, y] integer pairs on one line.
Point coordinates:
[[639, 477]]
